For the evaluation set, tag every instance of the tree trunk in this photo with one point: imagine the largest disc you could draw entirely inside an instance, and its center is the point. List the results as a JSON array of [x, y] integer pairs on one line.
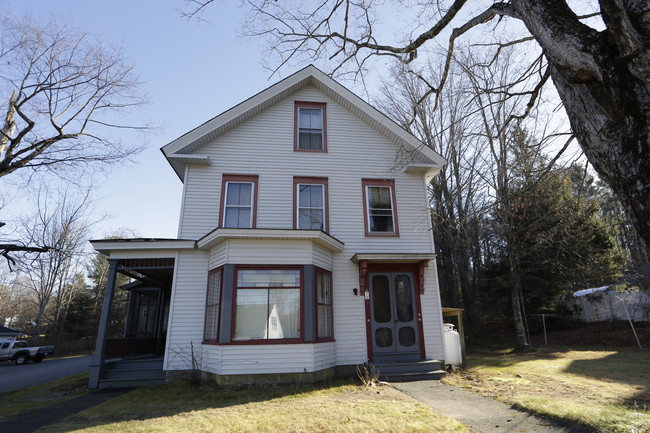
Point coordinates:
[[603, 79]]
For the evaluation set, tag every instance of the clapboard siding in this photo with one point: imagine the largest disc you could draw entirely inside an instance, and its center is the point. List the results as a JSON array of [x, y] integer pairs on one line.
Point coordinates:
[[186, 315], [322, 257], [355, 151], [263, 146], [265, 358]]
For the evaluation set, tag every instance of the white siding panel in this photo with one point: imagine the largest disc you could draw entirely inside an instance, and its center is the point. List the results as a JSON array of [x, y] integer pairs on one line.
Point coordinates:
[[267, 358], [324, 356], [269, 252], [322, 257], [187, 310], [218, 255], [432, 315], [349, 314]]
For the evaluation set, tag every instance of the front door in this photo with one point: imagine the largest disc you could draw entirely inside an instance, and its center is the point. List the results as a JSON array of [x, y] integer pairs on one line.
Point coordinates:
[[394, 321]]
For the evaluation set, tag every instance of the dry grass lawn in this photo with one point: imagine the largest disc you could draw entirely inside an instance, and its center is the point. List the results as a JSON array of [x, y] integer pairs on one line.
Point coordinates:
[[608, 390], [15, 402], [338, 407]]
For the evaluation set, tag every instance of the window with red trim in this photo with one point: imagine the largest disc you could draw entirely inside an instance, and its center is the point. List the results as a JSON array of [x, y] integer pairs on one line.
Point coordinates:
[[267, 304], [324, 305], [238, 205], [212, 302], [310, 127], [310, 203], [380, 208]]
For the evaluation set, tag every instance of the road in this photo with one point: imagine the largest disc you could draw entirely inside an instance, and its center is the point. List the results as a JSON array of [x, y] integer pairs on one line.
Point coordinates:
[[13, 377]]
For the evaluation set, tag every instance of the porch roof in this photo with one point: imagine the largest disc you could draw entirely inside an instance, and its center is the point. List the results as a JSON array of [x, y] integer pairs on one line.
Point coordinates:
[[392, 257], [144, 246]]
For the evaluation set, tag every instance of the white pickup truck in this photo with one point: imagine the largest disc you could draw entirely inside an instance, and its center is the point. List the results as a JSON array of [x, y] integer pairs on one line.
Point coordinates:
[[19, 352]]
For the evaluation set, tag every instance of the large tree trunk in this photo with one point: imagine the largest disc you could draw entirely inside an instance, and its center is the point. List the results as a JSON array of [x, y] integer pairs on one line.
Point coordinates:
[[603, 79]]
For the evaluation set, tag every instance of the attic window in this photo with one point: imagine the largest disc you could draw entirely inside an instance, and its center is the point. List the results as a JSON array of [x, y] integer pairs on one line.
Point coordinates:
[[311, 127]]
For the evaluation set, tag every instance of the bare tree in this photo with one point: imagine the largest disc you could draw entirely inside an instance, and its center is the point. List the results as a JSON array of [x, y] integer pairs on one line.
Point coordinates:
[[49, 275], [601, 71], [64, 94]]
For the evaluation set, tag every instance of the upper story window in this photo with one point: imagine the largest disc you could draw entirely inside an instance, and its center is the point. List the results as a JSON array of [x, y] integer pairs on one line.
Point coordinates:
[[310, 198], [238, 201], [311, 127], [380, 207]]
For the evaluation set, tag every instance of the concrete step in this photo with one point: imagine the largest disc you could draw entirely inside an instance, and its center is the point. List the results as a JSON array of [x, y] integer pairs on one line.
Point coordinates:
[[410, 377], [400, 367], [130, 364], [130, 383], [133, 373]]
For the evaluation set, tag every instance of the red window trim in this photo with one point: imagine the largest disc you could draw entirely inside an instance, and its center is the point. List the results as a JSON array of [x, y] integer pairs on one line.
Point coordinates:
[[308, 104], [379, 182], [311, 181], [205, 321], [225, 178], [330, 337], [233, 317]]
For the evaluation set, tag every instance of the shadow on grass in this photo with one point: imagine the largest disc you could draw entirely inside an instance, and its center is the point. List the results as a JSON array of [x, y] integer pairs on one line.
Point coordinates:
[[623, 366], [168, 400]]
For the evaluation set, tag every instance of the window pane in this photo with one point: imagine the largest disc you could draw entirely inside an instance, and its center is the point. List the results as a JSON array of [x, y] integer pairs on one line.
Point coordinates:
[[238, 218], [324, 321], [379, 197], [310, 195], [309, 139], [239, 194], [381, 299], [403, 298], [268, 278], [251, 314], [284, 313], [324, 288], [380, 223], [311, 118], [310, 219]]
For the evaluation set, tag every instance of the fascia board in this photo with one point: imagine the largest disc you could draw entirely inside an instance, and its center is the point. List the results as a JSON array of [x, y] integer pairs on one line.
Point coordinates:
[[219, 235], [392, 257], [264, 98], [105, 246]]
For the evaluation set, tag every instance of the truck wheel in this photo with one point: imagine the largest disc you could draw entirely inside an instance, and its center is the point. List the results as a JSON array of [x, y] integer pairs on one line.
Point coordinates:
[[37, 358], [21, 359]]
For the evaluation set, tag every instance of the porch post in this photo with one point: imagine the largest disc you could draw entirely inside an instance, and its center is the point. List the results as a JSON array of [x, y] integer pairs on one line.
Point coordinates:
[[100, 346]]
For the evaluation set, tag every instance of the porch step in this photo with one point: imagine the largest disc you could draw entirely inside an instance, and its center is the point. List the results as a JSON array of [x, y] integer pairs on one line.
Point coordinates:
[[406, 371], [132, 373], [129, 383], [130, 364]]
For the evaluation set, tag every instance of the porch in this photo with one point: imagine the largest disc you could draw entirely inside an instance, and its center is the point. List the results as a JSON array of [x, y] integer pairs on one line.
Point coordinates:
[[137, 354]]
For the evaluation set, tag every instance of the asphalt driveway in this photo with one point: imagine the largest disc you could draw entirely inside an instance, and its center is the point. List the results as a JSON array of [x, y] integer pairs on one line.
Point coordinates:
[[13, 377]]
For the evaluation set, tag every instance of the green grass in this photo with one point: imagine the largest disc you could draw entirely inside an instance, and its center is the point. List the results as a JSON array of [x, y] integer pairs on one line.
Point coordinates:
[[15, 402], [608, 390], [339, 407]]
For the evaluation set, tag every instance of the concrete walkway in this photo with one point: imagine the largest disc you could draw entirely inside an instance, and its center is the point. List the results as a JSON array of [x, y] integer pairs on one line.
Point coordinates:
[[481, 414], [31, 421]]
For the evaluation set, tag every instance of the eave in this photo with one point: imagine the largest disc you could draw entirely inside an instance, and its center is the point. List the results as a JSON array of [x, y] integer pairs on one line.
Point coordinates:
[[392, 257], [106, 246], [220, 235]]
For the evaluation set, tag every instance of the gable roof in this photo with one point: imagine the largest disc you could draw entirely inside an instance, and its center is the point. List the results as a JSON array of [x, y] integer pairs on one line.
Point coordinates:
[[422, 159]]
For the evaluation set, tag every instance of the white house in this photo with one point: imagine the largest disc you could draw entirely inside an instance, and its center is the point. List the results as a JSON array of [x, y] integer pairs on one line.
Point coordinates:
[[304, 244]]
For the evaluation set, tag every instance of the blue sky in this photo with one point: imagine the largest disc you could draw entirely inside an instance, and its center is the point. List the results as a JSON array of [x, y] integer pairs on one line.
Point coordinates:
[[191, 72]]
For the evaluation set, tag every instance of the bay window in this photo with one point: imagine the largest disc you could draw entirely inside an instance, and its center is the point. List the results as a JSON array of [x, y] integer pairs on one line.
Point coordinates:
[[324, 305], [267, 304], [213, 299]]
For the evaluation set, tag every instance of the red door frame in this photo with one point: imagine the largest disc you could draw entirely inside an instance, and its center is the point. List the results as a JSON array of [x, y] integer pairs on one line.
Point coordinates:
[[417, 270]]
